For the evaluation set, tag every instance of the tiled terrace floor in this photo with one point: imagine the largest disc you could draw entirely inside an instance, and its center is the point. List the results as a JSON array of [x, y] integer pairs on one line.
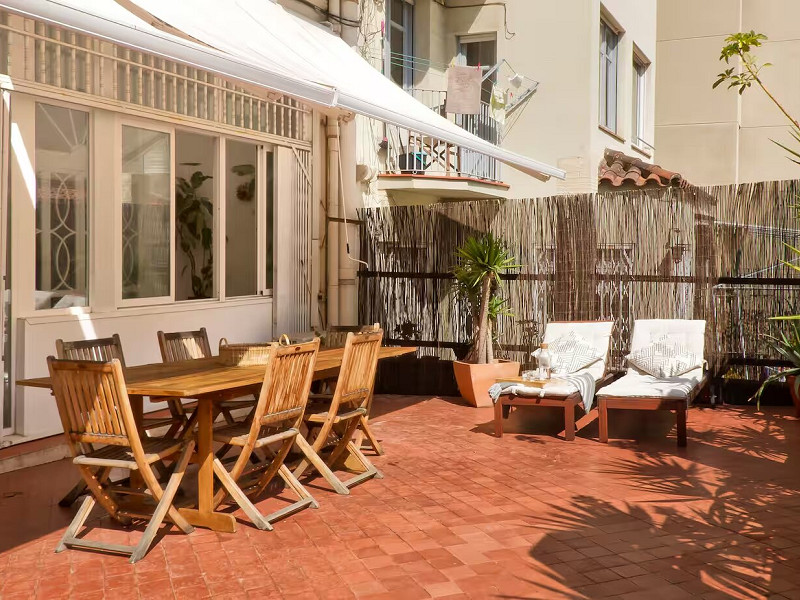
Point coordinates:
[[462, 514]]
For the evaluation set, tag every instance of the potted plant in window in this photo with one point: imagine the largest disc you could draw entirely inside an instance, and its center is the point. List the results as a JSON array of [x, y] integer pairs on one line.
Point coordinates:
[[481, 261], [194, 218]]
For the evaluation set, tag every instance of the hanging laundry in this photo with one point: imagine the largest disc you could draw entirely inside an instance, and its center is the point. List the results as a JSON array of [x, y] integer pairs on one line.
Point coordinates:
[[464, 90], [498, 103]]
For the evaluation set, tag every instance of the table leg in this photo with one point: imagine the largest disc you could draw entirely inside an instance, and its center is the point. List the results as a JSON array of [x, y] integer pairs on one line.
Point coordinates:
[[205, 515], [137, 406]]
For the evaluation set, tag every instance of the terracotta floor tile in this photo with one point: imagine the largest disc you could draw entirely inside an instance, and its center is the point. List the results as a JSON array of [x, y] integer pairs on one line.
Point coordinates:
[[466, 516]]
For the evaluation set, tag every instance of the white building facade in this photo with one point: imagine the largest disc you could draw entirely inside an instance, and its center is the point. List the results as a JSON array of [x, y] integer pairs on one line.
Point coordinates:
[[576, 77], [164, 171], [140, 194]]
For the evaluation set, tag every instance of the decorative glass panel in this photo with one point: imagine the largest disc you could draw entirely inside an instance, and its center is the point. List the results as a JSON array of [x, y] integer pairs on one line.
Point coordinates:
[[146, 177], [62, 212], [241, 233]]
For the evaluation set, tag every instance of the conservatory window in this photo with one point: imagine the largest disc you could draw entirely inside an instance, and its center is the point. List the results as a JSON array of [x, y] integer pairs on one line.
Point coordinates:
[[195, 203], [241, 218], [146, 219], [62, 208]]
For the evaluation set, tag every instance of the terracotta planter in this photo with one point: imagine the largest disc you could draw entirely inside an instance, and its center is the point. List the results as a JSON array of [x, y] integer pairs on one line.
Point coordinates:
[[474, 380], [794, 390]]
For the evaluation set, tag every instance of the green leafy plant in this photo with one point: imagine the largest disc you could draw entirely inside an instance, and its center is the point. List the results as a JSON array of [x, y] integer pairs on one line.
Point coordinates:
[[480, 263], [740, 45], [194, 218], [245, 191], [788, 348]]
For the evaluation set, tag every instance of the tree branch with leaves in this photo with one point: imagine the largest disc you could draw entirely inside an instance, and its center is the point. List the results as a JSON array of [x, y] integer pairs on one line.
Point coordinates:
[[740, 45]]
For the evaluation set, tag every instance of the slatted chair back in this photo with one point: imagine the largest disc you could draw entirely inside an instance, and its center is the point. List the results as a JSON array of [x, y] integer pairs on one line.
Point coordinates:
[[93, 404], [178, 346], [101, 349], [336, 336], [357, 374], [287, 383]]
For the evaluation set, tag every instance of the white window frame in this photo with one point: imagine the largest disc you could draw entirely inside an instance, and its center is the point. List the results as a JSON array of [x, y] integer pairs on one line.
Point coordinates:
[[151, 126], [90, 199], [641, 80], [266, 151], [407, 28], [477, 38], [262, 152], [7, 395], [609, 62]]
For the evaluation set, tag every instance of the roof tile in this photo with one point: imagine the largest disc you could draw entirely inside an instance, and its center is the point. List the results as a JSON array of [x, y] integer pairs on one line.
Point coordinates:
[[620, 171]]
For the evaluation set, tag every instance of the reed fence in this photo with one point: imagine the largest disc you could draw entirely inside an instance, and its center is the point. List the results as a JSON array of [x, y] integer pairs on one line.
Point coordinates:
[[710, 253]]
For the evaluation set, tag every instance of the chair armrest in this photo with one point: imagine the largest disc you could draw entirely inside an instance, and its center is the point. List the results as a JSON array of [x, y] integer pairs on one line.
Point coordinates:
[[699, 388]]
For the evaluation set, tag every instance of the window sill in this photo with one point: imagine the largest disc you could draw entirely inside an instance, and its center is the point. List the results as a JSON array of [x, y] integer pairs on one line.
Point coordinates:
[[152, 309], [643, 151], [612, 133]]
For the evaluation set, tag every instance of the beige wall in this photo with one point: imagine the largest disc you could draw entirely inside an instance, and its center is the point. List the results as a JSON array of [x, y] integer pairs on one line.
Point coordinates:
[[556, 44], [715, 136]]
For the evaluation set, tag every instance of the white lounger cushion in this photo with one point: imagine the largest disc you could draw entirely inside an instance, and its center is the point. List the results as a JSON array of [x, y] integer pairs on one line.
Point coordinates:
[[596, 333], [637, 384], [642, 385]]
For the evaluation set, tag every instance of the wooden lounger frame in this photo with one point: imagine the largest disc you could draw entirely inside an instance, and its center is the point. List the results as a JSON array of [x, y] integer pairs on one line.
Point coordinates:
[[679, 405], [502, 408]]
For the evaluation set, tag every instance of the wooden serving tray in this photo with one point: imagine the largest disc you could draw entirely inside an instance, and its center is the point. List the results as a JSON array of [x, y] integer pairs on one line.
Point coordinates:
[[518, 379]]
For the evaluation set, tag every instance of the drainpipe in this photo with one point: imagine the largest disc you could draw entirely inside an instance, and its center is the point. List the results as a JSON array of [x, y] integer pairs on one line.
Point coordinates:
[[348, 233], [332, 135], [351, 195], [335, 9]]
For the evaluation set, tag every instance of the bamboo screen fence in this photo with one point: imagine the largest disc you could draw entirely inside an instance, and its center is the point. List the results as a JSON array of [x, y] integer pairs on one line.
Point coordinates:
[[700, 253]]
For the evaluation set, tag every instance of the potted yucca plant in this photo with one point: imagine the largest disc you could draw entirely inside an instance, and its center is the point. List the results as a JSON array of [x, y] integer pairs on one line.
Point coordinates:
[[480, 262]]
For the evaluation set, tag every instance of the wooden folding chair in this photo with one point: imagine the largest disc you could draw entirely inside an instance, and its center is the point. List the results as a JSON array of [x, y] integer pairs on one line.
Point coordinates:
[[336, 337], [106, 349], [95, 411], [180, 346], [333, 421], [275, 421]]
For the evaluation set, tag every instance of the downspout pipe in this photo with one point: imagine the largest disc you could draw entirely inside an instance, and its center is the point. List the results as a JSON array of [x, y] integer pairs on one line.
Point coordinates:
[[332, 136]]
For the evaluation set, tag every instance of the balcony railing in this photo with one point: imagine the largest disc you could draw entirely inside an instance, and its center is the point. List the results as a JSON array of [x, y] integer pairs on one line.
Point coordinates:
[[413, 153]]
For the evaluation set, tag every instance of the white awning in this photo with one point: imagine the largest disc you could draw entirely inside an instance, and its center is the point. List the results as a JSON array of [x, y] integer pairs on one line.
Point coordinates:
[[107, 20], [259, 42]]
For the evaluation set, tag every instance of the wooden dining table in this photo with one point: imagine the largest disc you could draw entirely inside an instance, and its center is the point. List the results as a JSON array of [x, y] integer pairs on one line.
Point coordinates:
[[209, 380]]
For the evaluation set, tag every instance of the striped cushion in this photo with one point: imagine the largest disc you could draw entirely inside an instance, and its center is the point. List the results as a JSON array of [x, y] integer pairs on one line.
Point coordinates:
[[570, 353], [664, 358]]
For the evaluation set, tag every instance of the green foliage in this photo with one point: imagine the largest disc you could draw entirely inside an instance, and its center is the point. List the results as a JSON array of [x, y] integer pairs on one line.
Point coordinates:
[[480, 263], [481, 258], [788, 348], [245, 191], [194, 218], [739, 45]]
